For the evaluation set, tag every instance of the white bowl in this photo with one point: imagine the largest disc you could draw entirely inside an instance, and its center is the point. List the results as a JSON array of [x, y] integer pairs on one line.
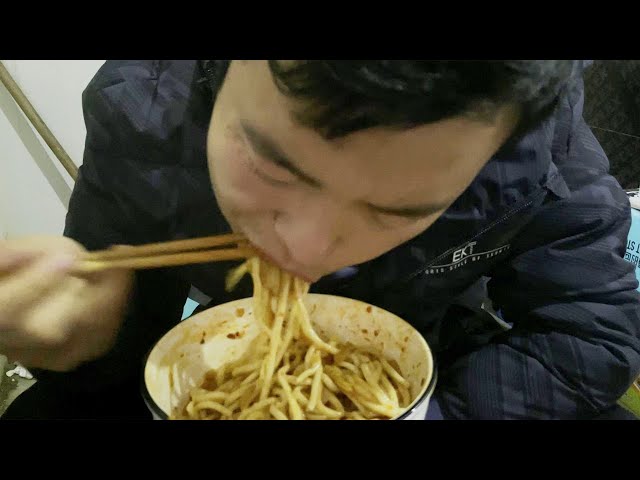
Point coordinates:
[[205, 341]]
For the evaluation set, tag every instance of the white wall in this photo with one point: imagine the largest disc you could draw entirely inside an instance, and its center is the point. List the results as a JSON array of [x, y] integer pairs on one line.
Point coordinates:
[[34, 188]]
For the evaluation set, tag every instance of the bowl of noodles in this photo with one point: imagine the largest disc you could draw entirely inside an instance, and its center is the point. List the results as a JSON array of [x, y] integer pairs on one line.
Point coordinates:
[[289, 354]]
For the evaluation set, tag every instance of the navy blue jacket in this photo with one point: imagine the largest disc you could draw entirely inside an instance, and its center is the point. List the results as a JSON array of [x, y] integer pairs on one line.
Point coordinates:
[[542, 228]]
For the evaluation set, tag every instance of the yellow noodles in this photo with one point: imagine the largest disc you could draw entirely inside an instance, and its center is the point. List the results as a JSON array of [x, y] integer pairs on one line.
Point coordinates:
[[289, 372]]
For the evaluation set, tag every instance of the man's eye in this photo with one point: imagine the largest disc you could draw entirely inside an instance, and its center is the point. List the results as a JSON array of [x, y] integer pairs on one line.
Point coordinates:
[[271, 180], [389, 221], [267, 171], [271, 172]]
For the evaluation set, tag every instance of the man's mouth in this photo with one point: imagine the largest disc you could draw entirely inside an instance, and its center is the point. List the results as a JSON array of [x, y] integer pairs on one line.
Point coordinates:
[[265, 256]]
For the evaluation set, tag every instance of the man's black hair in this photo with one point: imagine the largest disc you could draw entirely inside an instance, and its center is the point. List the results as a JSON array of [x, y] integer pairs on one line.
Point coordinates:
[[339, 97]]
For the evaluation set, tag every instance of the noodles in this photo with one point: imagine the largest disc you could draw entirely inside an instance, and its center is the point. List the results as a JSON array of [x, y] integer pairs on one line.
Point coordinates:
[[289, 372]]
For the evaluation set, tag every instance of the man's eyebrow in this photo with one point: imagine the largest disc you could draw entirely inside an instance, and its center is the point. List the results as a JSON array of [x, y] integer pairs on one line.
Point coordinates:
[[413, 211], [269, 149]]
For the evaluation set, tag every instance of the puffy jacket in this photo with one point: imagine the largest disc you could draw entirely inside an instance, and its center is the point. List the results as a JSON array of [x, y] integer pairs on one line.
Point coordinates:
[[542, 229]]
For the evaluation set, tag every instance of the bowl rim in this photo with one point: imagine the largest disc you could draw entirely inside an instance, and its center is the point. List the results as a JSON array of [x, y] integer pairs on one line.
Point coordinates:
[[426, 394]]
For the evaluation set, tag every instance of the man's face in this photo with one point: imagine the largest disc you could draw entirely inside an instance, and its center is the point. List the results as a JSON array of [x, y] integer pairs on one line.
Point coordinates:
[[315, 206]]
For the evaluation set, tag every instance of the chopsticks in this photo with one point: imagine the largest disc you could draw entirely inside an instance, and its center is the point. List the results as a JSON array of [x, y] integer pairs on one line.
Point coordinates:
[[166, 254]]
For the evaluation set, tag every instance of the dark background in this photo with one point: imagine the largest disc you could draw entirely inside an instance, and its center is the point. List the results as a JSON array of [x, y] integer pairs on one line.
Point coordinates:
[[612, 110]]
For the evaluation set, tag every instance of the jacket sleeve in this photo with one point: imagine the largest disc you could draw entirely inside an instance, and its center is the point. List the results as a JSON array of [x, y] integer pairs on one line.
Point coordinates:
[[113, 203], [574, 347]]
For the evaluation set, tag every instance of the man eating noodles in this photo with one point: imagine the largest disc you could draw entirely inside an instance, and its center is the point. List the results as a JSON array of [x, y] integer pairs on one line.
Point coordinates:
[[468, 197]]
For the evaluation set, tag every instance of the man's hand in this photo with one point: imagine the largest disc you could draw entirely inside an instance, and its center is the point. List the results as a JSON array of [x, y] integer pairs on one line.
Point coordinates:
[[49, 317]]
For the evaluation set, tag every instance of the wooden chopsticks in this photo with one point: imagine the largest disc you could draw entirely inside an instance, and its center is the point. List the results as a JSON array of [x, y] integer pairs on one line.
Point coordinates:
[[165, 254]]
